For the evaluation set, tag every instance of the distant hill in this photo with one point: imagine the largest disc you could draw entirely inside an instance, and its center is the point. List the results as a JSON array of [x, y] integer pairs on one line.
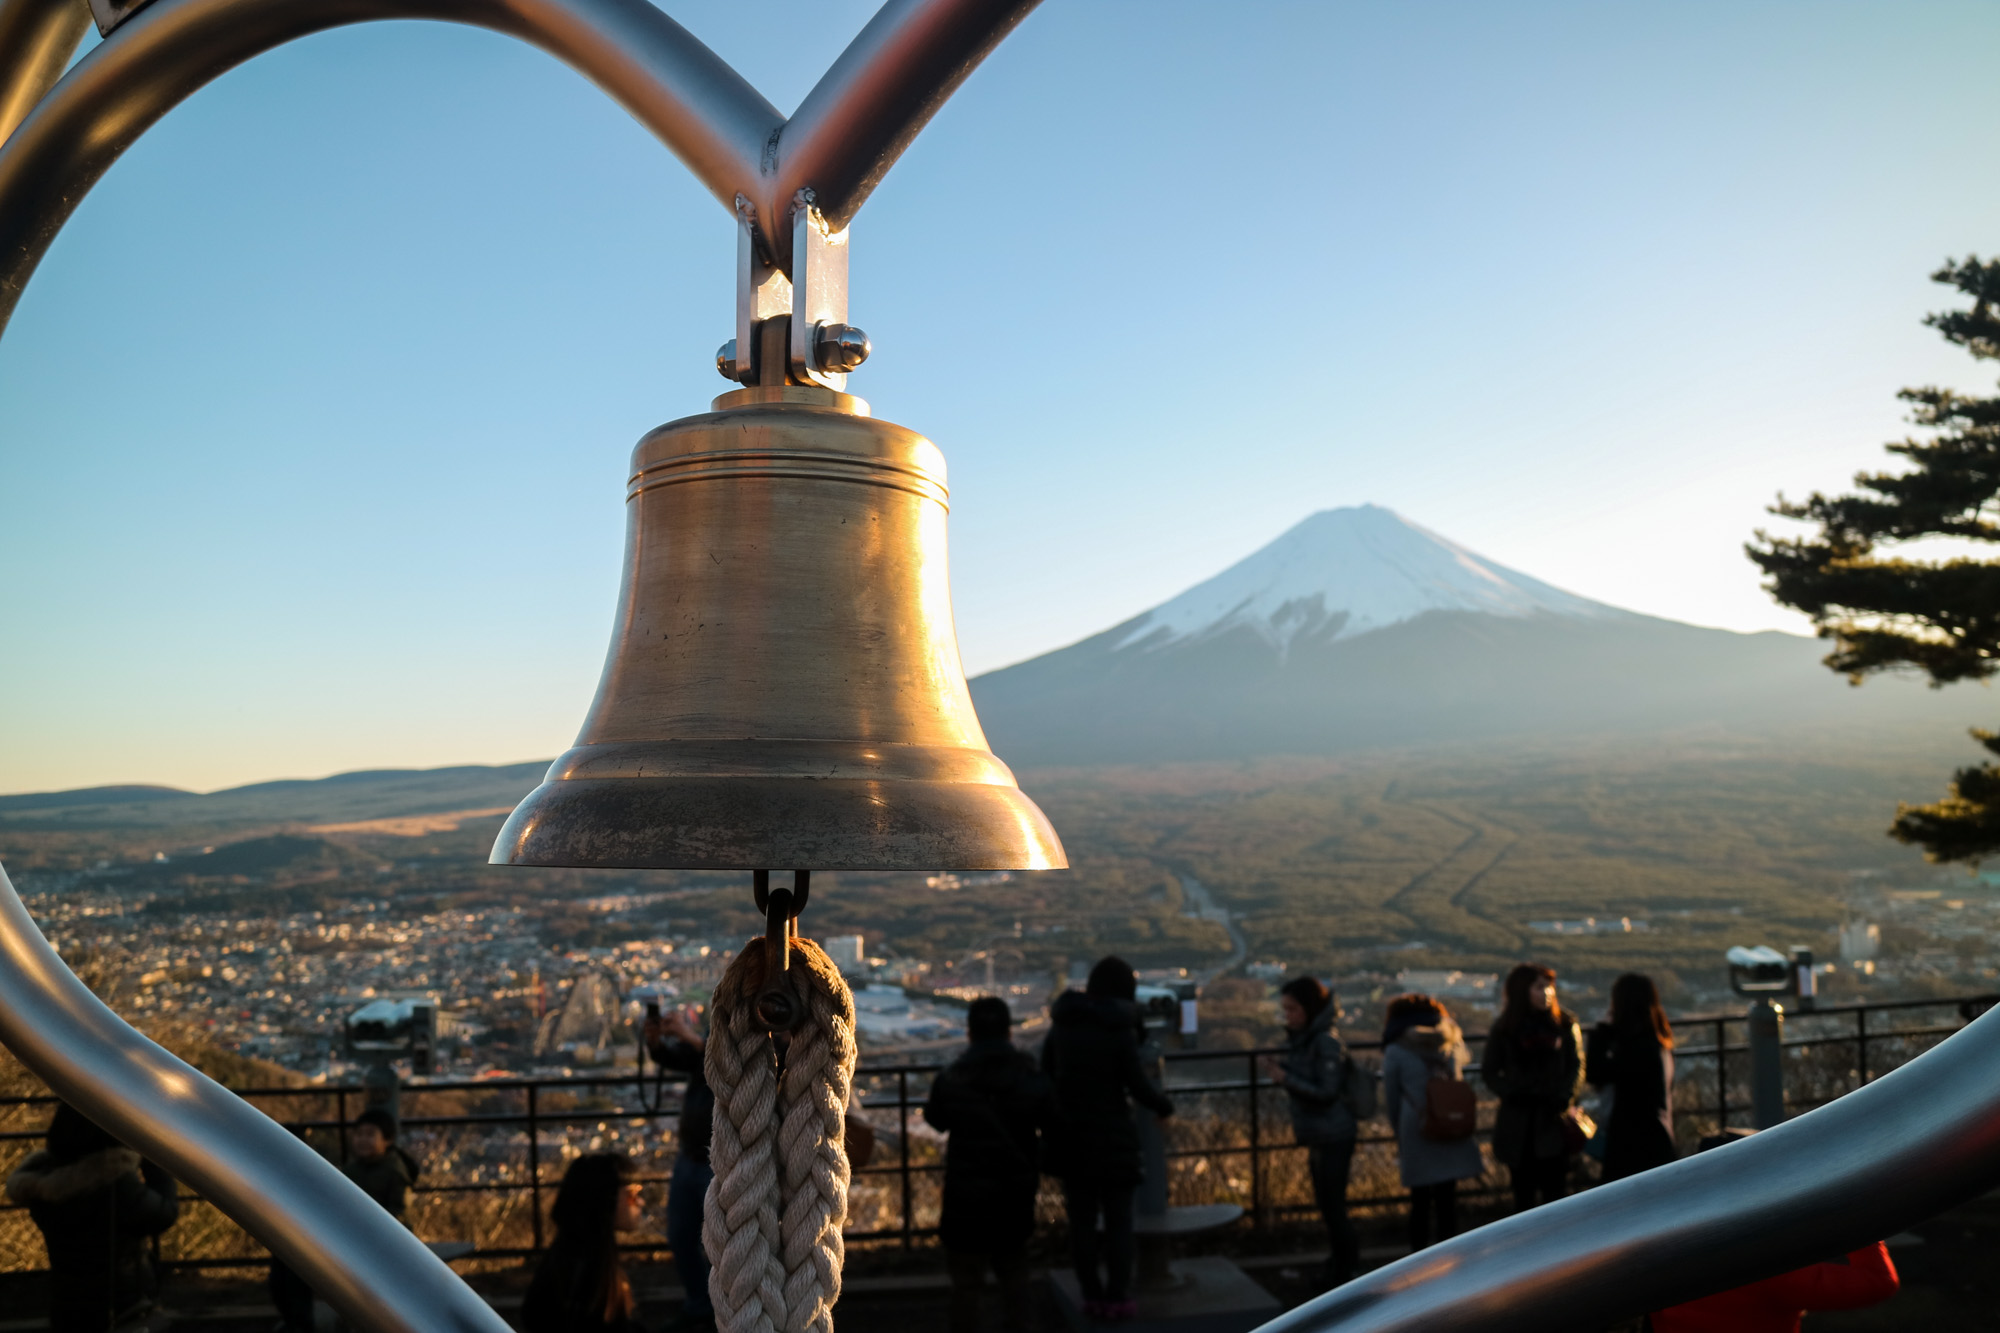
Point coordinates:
[[279, 858], [91, 796], [344, 798], [1357, 629]]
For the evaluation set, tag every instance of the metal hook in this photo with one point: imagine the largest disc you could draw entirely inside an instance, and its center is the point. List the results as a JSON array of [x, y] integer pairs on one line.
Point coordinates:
[[778, 1005]]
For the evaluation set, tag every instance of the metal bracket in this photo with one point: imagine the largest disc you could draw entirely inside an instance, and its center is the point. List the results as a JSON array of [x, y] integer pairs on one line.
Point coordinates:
[[110, 13], [763, 293], [791, 329], [819, 293]]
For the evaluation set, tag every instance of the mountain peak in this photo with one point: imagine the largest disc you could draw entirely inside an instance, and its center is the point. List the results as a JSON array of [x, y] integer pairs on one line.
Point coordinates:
[[1344, 572]]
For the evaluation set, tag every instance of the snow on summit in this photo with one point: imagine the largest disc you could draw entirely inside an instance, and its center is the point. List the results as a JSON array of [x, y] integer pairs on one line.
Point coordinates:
[[1344, 572]]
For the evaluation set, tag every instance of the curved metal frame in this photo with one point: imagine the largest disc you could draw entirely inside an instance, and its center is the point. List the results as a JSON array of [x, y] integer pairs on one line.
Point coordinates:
[[365, 1262], [845, 135], [1895, 1151], [58, 143]]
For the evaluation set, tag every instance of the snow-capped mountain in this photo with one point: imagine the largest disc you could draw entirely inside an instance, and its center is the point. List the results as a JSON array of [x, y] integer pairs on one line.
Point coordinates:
[[1344, 572], [1359, 628]]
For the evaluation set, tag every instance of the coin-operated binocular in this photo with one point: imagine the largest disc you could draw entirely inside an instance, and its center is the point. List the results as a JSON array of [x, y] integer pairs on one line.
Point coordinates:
[[1763, 973], [384, 1031], [1759, 969], [1170, 1009]]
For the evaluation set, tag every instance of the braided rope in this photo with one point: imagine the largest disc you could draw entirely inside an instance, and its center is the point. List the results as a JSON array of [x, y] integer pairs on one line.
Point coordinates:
[[772, 1219]]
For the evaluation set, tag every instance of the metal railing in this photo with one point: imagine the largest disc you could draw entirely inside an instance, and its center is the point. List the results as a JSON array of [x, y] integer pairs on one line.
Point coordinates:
[[1231, 1114]]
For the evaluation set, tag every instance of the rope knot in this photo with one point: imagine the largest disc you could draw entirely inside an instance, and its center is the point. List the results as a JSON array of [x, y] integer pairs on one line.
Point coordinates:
[[773, 1215]]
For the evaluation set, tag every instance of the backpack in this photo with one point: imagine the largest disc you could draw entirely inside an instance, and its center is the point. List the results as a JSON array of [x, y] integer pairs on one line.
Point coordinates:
[[1358, 1088], [1451, 1110]]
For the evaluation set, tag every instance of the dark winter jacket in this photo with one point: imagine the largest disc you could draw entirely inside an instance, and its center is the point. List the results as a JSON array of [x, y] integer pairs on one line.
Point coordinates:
[[1092, 1057], [1535, 1070], [1315, 1066], [996, 1106], [387, 1179], [567, 1293], [697, 1104], [1640, 1074], [95, 1213]]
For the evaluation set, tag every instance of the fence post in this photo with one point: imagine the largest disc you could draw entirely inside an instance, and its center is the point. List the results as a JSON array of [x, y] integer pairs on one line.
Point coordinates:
[[903, 1149], [1861, 1044], [535, 1167], [1767, 1067], [1256, 1158], [1721, 1075]]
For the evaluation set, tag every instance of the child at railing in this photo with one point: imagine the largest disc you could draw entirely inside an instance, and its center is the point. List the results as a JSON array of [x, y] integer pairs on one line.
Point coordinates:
[[378, 1164]]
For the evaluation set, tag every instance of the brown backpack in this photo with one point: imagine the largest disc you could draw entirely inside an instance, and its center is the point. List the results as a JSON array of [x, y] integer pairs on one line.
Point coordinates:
[[1451, 1110]]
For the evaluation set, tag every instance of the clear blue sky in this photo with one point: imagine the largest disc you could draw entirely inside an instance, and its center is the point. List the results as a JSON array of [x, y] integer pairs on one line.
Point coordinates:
[[313, 425]]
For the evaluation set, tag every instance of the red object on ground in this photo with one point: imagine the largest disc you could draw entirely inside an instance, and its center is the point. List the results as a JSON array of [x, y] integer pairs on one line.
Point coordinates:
[[1775, 1305]]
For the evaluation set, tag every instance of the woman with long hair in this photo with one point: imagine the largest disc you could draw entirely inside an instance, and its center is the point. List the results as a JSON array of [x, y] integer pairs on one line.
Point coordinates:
[[1533, 1062], [1420, 1043], [581, 1286], [1314, 1072], [1631, 1055]]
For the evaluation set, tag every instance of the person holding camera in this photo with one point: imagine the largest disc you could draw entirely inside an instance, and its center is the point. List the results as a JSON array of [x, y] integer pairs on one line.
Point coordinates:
[[1314, 1072], [675, 1042]]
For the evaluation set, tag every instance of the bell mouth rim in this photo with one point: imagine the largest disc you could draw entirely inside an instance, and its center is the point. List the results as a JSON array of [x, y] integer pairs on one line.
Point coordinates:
[[767, 823], [781, 758]]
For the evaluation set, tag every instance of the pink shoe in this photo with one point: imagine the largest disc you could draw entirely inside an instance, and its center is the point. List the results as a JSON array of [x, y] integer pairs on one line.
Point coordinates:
[[1120, 1312]]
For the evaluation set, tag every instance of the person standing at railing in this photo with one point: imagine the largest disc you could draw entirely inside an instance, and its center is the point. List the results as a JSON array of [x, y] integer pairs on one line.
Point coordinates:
[[1091, 1055], [1533, 1062], [995, 1106], [1434, 1112], [1631, 1057], [1316, 1074], [675, 1042], [96, 1203], [580, 1286]]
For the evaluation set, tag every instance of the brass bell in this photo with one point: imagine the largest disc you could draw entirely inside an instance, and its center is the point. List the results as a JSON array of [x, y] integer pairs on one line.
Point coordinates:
[[783, 687]]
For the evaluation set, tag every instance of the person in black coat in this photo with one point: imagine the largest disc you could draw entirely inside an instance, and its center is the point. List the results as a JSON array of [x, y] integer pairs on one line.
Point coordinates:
[[1533, 1062], [96, 1203], [580, 1286], [995, 1105], [1092, 1057], [1632, 1055]]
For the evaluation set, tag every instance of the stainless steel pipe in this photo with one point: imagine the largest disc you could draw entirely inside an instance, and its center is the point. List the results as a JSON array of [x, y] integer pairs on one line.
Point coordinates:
[[1901, 1149], [37, 38], [846, 134], [362, 1260]]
